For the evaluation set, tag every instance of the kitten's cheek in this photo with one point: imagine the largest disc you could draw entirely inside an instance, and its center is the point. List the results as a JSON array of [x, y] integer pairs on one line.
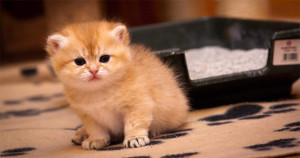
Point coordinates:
[[102, 74], [100, 77], [63, 75]]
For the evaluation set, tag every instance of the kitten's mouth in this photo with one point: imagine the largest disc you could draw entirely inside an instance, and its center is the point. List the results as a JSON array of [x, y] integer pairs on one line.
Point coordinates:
[[94, 78]]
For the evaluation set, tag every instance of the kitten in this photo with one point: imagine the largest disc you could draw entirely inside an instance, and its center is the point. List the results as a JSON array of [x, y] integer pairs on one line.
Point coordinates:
[[119, 90]]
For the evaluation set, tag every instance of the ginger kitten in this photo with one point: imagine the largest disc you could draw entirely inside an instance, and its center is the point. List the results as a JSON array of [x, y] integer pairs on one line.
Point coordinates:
[[118, 90]]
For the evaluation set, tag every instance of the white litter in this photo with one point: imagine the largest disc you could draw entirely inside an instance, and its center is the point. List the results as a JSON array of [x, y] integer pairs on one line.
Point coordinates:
[[212, 61]]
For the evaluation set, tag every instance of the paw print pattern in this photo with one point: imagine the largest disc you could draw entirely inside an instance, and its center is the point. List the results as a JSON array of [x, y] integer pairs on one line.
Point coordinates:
[[175, 134], [236, 112], [254, 117], [121, 147], [36, 98], [275, 109], [279, 111], [183, 155], [16, 151], [292, 127], [170, 136], [140, 157], [182, 130], [29, 72], [75, 128], [111, 148], [156, 141], [29, 112], [282, 108], [280, 143], [218, 123], [180, 155], [12, 102], [247, 112]]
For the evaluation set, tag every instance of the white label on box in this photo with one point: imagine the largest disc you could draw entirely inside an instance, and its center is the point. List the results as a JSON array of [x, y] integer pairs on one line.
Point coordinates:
[[286, 52]]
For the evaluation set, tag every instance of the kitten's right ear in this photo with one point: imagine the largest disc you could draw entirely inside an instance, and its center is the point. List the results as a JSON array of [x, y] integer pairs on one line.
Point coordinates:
[[55, 42]]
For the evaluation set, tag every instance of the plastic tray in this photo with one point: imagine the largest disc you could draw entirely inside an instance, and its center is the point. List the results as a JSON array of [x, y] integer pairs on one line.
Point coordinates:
[[170, 40]]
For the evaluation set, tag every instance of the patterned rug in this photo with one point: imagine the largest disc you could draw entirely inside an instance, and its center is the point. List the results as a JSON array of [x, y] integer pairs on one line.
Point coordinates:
[[36, 121]]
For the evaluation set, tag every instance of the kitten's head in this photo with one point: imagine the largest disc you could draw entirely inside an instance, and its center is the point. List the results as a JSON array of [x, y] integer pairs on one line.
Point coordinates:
[[88, 55]]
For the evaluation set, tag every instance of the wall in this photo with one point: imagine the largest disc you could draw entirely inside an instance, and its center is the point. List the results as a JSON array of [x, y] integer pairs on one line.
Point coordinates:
[[24, 25]]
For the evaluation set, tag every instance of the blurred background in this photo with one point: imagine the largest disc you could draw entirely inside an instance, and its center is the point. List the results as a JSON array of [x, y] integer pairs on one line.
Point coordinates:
[[24, 25]]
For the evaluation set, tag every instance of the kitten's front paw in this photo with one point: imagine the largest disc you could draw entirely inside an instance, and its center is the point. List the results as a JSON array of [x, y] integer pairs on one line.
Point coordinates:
[[94, 144], [136, 142]]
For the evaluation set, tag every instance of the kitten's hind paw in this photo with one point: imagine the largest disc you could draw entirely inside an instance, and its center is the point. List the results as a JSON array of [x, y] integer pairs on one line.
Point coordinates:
[[136, 142], [154, 134], [80, 136], [77, 140], [94, 144]]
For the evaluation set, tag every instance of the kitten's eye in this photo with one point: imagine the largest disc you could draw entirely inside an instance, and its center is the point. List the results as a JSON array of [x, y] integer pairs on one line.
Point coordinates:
[[79, 61], [104, 58]]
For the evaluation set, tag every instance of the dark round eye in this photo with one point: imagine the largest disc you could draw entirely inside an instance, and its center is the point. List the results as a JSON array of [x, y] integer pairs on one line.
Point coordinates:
[[104, 58], [79, 61]]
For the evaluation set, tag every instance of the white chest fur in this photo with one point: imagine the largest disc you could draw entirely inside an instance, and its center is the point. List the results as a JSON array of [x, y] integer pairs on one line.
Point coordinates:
[[101, 109]]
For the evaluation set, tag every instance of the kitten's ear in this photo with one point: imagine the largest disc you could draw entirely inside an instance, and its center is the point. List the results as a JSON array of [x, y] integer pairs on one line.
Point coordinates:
[[120, 33], [55, 42]]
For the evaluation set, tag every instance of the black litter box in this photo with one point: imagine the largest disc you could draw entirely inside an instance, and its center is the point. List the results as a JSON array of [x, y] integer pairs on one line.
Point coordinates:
[[170, 40]]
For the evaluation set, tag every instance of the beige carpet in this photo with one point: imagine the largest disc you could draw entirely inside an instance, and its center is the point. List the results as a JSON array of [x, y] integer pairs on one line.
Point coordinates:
[[35, 121]]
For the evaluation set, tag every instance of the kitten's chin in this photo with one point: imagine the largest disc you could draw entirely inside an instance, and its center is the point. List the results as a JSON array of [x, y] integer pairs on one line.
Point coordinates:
[[94, 79], [87, 85]]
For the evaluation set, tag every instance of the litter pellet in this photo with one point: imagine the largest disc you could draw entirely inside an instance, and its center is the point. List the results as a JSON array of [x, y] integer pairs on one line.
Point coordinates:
[[212, 61]]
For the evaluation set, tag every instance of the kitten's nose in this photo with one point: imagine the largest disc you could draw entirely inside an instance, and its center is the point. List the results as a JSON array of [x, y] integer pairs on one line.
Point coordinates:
[[93, 71]]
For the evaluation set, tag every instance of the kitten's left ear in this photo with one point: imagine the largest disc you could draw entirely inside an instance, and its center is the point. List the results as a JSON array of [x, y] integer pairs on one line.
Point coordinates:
[[120, 33]]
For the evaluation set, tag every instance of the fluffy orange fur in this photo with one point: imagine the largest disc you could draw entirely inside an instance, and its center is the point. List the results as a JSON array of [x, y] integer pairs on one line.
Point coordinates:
[[130, 96]]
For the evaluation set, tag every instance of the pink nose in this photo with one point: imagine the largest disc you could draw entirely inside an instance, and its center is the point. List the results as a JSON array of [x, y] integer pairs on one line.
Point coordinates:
[[93, 71]]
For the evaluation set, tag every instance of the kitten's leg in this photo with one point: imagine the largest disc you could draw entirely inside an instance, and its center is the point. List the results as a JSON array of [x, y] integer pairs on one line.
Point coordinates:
[[98, 137], [154, 134], [80, 136], [137, 124]]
